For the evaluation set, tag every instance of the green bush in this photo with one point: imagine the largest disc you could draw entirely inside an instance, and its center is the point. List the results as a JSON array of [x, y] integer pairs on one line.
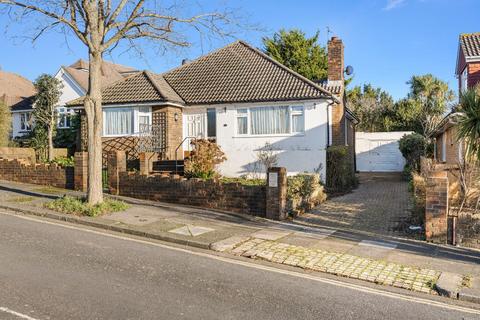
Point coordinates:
[[340, 169], [78, 206], [203, 160], [64, 161], [304, 191], [244, 181], [412, 147]]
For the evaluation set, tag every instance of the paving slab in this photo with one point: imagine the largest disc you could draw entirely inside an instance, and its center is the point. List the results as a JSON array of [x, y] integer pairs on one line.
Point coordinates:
[[270, 234], [229, 243], [449, 284], [192, 231], [377, 244], [472, 293], [140, 216], [334, 244], [297, 239], [369, 251]]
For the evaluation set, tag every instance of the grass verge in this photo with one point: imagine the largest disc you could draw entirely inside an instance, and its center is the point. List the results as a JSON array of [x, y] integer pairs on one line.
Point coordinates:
[[78, 206]]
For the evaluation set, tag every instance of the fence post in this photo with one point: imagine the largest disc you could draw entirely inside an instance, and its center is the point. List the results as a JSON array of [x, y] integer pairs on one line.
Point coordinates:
[[116, 163], [146, 162], [276, 207], [436, 209], [80, 171]]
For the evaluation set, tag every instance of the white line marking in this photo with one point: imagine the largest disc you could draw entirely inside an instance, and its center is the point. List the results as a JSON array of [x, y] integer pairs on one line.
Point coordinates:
[[20, 315], [377, 244], [337, 283]]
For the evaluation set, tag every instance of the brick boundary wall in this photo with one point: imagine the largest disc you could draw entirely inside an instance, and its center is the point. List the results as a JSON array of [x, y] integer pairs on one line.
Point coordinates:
[[212, 194], [21, 170], [436, 207]]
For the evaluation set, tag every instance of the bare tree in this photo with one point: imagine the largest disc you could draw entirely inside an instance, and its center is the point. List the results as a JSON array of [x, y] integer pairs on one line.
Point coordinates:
[[101, 25]]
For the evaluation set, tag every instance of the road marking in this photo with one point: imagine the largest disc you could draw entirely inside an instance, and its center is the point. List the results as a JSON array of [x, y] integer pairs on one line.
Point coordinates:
[[18, 314], [377, 244], [247, 264]]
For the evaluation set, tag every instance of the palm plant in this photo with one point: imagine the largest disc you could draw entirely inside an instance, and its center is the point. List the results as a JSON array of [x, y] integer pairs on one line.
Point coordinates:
[[469, 122]]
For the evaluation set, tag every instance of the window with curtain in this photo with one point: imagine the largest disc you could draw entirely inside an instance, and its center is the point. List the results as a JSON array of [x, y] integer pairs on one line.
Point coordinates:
[[118, 121], [26, 121], [269, 120], [242, 121], [298, 122]]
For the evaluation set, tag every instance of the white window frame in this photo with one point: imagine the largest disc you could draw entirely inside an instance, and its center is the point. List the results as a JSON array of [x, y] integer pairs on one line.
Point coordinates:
[[26, 123], [464, 79], [444, 147], [137, 112], [63, 112], [238, 115], [345, 129], [290, 113]]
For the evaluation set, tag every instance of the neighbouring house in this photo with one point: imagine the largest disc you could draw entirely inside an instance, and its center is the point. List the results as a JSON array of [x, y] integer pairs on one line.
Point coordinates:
[[240, 97], [448, 148], [17, 93], [74, 79]]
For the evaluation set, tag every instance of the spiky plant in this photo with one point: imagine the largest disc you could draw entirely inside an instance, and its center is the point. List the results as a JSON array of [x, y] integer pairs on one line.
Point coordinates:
[[469, 121]]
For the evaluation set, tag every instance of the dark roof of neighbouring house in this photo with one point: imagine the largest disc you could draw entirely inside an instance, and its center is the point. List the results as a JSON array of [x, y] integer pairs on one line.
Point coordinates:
[[16, 91], [110, 72], [470, 44], [140, 87]]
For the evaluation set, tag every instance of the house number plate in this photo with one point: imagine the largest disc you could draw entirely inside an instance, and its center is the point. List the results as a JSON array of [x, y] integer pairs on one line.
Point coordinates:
[[273, 179]]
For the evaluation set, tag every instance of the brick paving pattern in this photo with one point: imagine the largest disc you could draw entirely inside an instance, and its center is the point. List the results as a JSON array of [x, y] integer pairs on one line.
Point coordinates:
[[377, 271], [378, 205]]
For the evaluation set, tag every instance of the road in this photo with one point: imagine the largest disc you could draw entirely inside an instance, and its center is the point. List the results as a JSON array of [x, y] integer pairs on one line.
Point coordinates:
[[50, 271]]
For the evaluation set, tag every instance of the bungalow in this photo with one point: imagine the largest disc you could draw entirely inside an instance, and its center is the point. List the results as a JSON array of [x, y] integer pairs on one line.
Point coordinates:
[[448, 149], [240, 97]]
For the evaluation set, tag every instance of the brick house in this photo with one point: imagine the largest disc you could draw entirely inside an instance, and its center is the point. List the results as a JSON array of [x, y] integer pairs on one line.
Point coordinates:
[[448, 149], [240, 97]]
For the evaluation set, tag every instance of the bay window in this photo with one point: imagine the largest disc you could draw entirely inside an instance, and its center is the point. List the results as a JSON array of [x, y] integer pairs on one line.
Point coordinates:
[[126, 121], [275, 120]]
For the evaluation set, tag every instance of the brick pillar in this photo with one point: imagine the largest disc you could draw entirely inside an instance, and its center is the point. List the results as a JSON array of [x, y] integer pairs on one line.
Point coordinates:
[[436, 223], [116, 163], [146, 162], [276, 194], [81, 171]]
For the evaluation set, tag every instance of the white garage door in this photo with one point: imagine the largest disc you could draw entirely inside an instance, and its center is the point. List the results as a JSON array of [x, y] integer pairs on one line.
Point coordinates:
[[378, 151]]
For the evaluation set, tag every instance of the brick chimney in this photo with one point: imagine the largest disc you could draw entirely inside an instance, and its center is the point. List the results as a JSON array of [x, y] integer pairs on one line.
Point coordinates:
[[336, 64]]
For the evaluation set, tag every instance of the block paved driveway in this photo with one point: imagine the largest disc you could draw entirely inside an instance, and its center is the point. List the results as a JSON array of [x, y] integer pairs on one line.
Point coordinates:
[[380, 204]]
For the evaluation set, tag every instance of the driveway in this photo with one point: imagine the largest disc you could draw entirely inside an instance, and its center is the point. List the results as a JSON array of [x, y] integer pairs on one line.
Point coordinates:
[[380, 204]]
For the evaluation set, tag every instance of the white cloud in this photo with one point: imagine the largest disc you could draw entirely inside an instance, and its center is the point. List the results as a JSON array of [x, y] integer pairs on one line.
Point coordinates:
[[392, 4]]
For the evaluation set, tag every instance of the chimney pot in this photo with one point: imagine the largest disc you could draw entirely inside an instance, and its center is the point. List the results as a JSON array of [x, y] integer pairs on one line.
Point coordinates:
[[184, 61]]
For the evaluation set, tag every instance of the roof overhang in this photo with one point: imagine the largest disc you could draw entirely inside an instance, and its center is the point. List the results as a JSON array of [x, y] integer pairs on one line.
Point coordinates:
[[447, 122], [133, 104]]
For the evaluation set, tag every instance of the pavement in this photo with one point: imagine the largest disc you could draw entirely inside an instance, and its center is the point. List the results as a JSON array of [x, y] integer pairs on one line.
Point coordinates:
[[357, 254], [56, 270]]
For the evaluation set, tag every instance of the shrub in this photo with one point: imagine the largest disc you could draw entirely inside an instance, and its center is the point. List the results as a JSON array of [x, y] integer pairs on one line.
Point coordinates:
[[203, 160], [244, 181], [340, 170], [78, 206], [412, 147], [304, 191], [64, 161]]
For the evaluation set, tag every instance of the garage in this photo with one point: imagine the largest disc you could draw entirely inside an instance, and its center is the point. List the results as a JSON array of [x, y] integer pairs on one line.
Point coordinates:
[[379, 152]]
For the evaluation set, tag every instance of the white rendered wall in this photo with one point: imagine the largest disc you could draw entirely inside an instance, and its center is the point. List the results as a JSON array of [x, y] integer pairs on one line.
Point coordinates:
[[299, 153]]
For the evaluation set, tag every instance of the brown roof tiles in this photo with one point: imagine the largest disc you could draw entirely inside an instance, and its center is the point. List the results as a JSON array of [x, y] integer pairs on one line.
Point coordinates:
[[470, 44]]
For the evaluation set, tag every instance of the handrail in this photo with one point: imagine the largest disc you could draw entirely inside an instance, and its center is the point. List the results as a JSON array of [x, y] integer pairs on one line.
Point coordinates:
[[176, 151]]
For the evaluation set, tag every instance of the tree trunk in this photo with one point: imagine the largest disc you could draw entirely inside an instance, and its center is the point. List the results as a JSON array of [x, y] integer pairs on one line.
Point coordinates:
[[93, 109], [50, 143]]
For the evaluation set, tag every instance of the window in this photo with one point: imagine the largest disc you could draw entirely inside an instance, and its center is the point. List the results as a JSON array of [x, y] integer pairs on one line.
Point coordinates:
[[126, 121], [270, 120], [211, 123], [297, 119], [242, 121], [25, 121], [63, 118], [118, 121], [464, 79]]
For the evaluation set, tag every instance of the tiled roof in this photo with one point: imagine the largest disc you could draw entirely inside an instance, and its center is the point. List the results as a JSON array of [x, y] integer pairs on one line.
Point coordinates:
[[470, 44], [140, 87], [333, 88], [111, 73], [239, 73], [15, 91]]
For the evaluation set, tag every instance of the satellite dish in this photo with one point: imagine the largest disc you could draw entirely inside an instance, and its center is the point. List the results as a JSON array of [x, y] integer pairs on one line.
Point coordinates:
[[349, 70]]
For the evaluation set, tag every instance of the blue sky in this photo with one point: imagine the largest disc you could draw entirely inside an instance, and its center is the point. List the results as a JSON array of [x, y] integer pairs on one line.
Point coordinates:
[[386, 41]]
